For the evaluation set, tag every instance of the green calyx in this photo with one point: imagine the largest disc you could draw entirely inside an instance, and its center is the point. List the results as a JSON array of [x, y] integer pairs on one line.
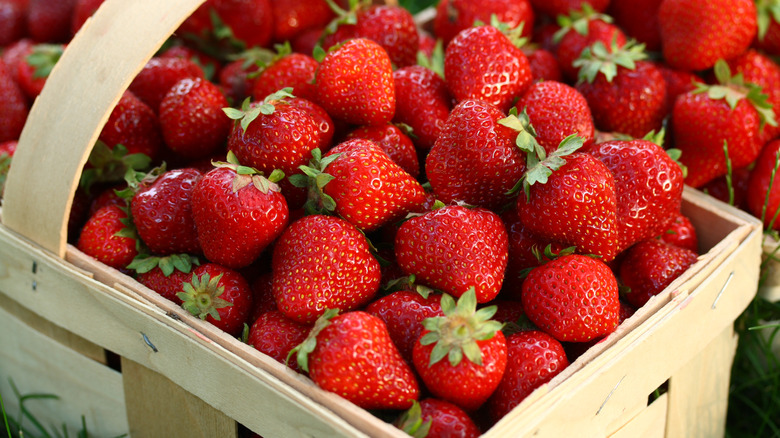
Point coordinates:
[[302, 350], [201, 297], [43, 58], [109, 165], [733, 89], [767, 11], [597, 58], [248, 112], [344, 16], [436, 61], [412, 422], [408, 283], [314, 178], [578, 21], [455, 334], [514, 34], [246, 175], [144, 263]]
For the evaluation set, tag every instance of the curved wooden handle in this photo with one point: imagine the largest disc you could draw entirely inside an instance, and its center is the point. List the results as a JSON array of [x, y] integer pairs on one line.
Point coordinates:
[[66, 119]]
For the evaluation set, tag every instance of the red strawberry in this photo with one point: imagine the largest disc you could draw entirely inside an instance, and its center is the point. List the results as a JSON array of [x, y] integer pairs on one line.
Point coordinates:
[[453, 16], [434, 418], [159, 74], [731, 189], [625, 93], [237, 79], [364, 185], [574, 204], [294, 70], [13, 22], [768, 35], [355, 83], [211, 66], [191, 118], [639, 20], [582, 29], [293, 17], [554, 8], [322, 262], [695, 34], [677, 82], [106, 238], [15, 53], [273, 134], [729, 113], [262, 290], [651, 265], [238, 213], [648, 186], [557, 111], [353, 356], [49, 20], [82, 10], [249, 21], [134, 125], [544, 65], [422, 102], [461, 356], [758, 68], [763, 193], [13, 107], [276, 335], [403, 313], [394, 142], [164, 275], [218, 295], [454, 249], [484, 64], [162, 212], [574, 298], [476, 159], [34, 69], [680, 232], [533, 359], [322, 119]]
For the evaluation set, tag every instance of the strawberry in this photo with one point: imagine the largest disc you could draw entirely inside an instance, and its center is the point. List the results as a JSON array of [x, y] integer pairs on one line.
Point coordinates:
[[275, 335], [322, 119], [454, 16], [218, 295], [294, 17], [322, 262], [164, 275], [695, 34], [107, 238], [731, 188], [474, 348], [768, 23], [249, 21], [533, 359], [759, 69], [482, 63], [574, 298], [582, 29], [162, 212], [556, 111], [394, 142], [555, 8], [82, 10], [648, 186], [134, 125], [272, 134], [544, 65], [651, 265], [455, 249], [352, 355], [476, 159], [237, 212], [13, 107], [33, 70], [362, 185], [355, 83], [574, 204], [435, 418], [294, 70], [763, 192], [625, 93], [730, 113], [159, 74], [680, 232], [210, 65], [237, 78], [15, 53], [422, 102], [677, 82], [639, 20], [13, 22], [49, 20], [403, 313], [262, 290]]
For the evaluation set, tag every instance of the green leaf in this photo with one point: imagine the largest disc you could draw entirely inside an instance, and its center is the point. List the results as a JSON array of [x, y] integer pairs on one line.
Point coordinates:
[[233, 114]]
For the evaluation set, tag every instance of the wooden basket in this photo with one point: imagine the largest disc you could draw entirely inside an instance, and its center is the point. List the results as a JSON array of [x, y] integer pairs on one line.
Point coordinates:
[[682, 340]]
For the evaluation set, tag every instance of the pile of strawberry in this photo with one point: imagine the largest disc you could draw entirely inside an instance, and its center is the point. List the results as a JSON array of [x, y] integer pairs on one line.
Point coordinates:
[[428, 222]]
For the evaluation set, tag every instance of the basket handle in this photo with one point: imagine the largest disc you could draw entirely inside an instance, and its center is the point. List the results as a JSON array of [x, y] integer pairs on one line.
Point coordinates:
[[68, 116]]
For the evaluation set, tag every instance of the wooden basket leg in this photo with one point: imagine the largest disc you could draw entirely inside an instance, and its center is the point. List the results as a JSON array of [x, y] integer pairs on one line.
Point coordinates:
[[699, 391], [157, 407]]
